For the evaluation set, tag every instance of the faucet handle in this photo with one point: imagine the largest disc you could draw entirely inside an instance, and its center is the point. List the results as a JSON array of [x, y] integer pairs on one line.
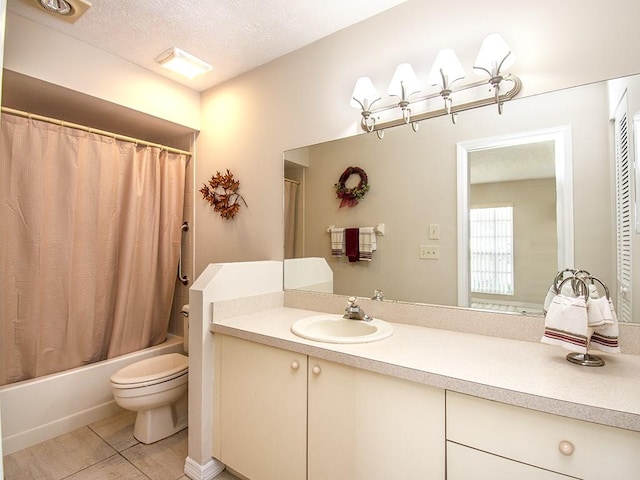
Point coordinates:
[[352, 301]]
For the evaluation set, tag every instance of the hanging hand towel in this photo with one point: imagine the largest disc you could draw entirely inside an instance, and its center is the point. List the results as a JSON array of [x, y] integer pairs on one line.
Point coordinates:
[[367, 243], [605, 338], [351, 243], [337, 242], [567, 290], [566, 323]]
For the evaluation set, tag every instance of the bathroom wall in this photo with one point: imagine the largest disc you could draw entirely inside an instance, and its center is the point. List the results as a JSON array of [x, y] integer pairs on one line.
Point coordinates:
[[40, 52], [413, 180], [303, 98]]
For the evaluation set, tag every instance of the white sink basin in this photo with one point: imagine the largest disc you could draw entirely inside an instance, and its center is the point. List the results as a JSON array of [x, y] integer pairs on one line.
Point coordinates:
[[336, 329]]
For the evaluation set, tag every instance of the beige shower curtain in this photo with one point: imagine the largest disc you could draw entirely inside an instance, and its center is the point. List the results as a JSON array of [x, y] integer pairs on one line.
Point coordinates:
[[290, 203], [89, 246]]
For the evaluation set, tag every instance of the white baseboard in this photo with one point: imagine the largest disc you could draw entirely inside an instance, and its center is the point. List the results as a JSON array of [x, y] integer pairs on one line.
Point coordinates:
[[60, 426], [208, 471]]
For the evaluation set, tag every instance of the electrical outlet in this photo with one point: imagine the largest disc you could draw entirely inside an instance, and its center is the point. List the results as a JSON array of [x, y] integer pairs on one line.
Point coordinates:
[[434, 232], [429, 252]]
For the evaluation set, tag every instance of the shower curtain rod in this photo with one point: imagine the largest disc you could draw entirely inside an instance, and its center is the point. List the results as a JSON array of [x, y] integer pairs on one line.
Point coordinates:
[[76, 126], [292, 181]]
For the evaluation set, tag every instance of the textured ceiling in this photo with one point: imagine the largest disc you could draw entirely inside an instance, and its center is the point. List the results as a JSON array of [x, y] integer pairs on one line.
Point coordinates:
[[234, 36]]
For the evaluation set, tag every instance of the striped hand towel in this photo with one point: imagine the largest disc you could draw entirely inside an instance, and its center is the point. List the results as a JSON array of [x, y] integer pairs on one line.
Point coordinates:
[[337, 242], [367, 243]]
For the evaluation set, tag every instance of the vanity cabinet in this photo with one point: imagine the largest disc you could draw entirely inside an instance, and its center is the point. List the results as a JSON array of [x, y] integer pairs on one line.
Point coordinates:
[[491, 440], [260, 415], [282, 415], [364, 425]]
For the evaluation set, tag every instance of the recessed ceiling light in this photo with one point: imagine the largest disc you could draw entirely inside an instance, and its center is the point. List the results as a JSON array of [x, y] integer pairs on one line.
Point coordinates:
[[67, 10], [183, 63], [57, 7]]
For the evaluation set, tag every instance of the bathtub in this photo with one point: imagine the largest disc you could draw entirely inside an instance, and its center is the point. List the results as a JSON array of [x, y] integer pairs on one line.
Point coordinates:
[[42, 408]]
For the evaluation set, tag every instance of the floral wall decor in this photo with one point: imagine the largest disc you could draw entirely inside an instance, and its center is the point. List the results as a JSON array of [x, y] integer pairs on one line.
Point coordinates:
[[222, 194], [349, 196]]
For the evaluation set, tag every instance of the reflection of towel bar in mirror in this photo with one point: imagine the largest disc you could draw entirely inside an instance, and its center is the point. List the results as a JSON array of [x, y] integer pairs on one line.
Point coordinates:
[[379, 229]]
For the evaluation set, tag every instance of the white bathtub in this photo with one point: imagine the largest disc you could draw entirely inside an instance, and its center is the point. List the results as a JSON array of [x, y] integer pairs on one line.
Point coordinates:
[[37, 410]]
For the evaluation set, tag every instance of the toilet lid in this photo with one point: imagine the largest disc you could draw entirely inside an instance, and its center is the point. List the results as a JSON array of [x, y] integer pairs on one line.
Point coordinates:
[[152, 369]]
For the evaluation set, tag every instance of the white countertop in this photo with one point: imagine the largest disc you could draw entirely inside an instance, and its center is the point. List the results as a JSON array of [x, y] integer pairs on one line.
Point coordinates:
[[531, 375]]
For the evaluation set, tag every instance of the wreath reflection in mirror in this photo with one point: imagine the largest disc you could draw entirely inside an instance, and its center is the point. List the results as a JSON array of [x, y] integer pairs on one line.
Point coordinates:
[[222, 194], [349, 196]]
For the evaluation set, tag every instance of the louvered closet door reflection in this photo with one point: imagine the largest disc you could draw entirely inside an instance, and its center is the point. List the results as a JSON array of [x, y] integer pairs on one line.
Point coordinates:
[[624, 211]]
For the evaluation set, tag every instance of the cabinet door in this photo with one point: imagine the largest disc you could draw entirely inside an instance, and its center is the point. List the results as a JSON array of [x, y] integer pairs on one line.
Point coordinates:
[[369, 426], [263, 408], [464, 463]]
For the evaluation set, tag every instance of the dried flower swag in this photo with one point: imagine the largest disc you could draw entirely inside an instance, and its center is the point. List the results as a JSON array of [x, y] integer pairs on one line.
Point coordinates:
[[222, 194]]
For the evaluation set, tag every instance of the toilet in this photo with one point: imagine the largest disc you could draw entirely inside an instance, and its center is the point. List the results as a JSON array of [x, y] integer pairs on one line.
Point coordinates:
[[156, 388]]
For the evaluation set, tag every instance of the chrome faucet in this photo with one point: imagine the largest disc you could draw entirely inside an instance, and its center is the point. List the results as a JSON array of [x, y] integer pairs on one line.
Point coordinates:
[[378, 295], [354, 312]]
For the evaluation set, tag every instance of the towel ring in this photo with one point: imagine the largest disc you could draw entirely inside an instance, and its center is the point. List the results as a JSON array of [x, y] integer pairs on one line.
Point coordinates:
[[606, 289], [560, 278], [576, 290]]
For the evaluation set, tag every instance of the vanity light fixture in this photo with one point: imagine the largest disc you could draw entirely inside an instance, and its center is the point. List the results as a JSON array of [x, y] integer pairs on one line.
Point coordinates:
[[493, 59], [184, 63]]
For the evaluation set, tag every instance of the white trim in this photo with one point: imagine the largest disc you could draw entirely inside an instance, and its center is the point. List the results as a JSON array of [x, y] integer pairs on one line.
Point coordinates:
[[564, 194], [208, 471]]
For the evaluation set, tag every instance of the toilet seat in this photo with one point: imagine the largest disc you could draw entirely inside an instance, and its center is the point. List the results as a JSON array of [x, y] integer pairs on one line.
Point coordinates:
[[151, 371]]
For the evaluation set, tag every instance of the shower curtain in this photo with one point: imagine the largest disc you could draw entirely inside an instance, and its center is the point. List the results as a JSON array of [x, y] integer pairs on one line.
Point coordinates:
[[290, 201], [89, 246]]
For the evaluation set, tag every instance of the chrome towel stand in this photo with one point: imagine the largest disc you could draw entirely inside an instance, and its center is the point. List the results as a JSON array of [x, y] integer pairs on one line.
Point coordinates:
[[579, 279]]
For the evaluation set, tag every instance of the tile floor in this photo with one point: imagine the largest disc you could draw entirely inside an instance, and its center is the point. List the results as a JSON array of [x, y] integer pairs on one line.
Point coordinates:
[[105, 450]]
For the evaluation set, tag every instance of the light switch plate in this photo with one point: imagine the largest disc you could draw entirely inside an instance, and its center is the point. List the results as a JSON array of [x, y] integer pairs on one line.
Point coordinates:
[[434, 232]]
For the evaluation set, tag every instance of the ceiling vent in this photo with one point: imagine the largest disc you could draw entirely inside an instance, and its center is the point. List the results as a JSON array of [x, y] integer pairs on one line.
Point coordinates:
[[67, 10]]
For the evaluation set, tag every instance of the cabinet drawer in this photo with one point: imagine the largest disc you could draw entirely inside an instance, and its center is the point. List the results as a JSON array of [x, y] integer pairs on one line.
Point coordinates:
[[535, 438], [464, 463]]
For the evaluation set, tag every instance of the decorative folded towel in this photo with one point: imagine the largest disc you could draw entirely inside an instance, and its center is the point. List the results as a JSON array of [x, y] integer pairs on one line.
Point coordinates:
[[566, 323], [337, 242], [351, 237], [367, 243], [605, 338]]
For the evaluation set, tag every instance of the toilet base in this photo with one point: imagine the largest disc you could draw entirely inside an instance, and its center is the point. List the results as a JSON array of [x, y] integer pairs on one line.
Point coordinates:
[[157, 423]]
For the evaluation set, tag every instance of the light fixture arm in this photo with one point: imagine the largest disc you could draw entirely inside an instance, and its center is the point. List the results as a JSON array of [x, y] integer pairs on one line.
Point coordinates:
[[368, 122]]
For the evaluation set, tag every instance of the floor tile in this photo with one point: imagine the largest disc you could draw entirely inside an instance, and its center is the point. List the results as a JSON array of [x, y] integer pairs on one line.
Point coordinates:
[[113, 468], [117, 430], [226, 476], [57, 458], [163, 460]]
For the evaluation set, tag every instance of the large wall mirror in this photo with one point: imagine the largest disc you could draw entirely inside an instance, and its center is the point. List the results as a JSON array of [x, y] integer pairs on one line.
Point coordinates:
[[548, 161]]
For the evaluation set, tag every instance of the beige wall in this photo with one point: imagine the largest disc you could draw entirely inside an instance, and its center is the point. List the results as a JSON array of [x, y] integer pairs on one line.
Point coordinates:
[[40, 52], [413, 179], [302, 98]]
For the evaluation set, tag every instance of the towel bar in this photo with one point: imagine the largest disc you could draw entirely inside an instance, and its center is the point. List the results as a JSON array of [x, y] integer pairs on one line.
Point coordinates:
[[379, 229]]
